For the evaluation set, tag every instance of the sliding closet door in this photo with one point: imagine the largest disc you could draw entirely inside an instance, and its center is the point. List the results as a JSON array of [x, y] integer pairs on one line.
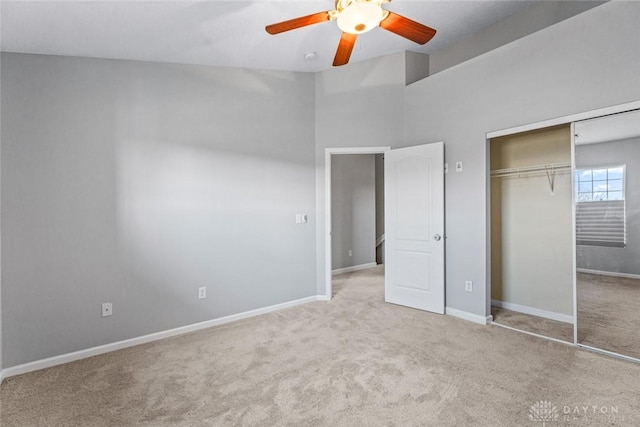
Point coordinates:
[[607, 194]]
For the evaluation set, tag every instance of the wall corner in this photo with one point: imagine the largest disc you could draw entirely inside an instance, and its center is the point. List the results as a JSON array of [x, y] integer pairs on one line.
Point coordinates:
[[416, 66]]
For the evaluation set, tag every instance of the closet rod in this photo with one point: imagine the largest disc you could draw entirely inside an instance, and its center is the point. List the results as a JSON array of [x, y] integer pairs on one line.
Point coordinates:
[[532, 170]]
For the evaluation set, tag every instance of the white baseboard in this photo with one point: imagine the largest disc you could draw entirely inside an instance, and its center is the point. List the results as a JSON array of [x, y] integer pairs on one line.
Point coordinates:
[[608, 273], [552, 315], [353, 268], [94, 351], [482, 320]]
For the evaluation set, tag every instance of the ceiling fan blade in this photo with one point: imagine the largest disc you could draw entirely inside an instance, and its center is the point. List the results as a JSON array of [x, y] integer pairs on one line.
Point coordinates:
[[407, 28], [347, 41], [300, 22]]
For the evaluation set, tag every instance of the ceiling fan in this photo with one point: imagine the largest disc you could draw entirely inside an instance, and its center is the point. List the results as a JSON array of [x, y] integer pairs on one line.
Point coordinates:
[[356, 17]]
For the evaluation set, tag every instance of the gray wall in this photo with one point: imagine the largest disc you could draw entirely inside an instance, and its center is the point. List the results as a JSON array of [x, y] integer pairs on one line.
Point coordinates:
[[555, 72], [136, 183], [416, 66], [353, 209], [621, 260], [357, 105], [532, 19]]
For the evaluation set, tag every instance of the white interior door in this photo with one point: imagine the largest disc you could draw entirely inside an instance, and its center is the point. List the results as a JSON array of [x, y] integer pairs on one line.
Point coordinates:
[[414, 227]]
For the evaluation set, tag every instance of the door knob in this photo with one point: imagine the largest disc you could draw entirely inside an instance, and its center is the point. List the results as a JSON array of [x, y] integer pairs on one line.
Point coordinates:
[[437, 237]]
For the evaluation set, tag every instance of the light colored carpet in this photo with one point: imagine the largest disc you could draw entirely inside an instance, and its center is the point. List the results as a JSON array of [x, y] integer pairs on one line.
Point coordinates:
[[538, 325], [354, 361], [609, 313]]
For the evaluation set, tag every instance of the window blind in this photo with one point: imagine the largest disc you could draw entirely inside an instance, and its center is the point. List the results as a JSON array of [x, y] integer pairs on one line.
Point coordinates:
[[601, 223]]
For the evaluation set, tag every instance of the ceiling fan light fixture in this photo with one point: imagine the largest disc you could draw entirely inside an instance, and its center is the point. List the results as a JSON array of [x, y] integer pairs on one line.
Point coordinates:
[[355, 17], [359, 16]]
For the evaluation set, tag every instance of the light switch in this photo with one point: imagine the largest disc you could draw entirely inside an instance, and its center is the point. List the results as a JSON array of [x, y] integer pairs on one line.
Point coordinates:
[[458, 166]]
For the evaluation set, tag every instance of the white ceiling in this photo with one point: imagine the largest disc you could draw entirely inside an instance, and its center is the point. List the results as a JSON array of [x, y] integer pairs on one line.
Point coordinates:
[[226, 33]]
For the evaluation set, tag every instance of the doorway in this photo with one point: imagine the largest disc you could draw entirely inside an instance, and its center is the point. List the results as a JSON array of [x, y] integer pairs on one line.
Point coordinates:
[[357, 213], [365, 254]]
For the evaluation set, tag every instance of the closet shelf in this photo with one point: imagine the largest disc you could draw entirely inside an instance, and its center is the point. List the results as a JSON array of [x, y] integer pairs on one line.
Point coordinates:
[[532, 170]]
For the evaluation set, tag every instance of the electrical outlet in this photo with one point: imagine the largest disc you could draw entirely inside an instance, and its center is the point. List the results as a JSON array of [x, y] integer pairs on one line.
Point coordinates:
[[458, 166], [107, 309], [468, 286], [202, 292], [350, 252]]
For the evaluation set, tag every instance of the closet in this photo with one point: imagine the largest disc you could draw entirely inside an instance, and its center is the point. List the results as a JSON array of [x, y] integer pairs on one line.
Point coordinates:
[[532, 248]]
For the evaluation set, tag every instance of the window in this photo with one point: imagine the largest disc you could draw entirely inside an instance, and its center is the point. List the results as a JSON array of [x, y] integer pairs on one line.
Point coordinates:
[[594, 185], [600, 208]]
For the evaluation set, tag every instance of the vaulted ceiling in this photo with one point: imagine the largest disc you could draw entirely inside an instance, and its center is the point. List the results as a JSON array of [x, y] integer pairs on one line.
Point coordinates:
[[226, 33]]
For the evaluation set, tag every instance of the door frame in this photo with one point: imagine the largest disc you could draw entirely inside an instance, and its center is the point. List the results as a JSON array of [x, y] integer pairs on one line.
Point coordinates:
[[569, 119], [328, 255]]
